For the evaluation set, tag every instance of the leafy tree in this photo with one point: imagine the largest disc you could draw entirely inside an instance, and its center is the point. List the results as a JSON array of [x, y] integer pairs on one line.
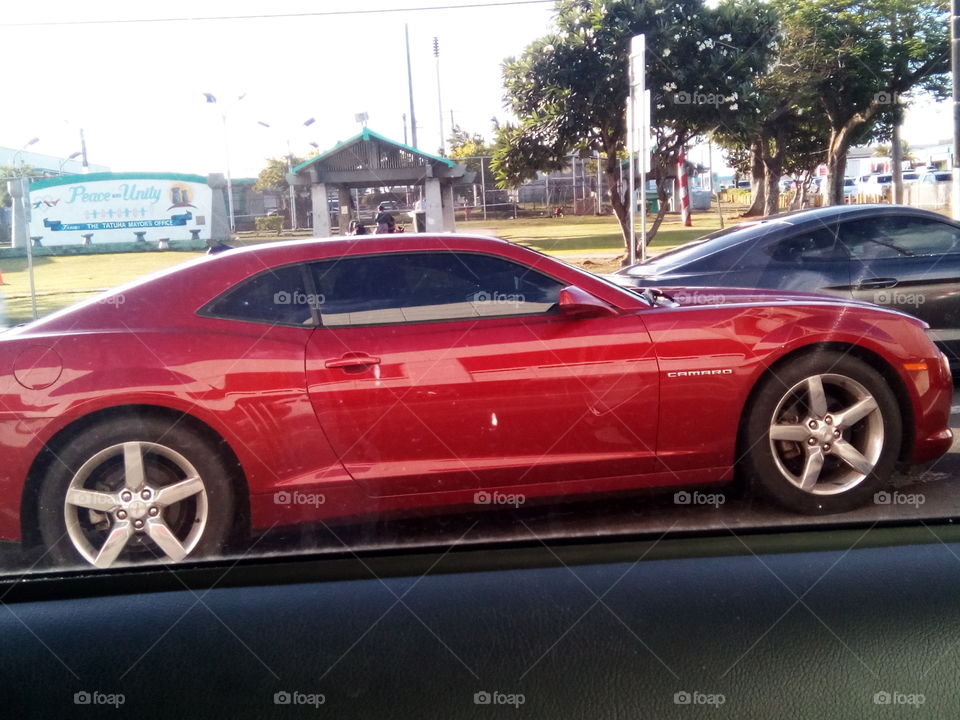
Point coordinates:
[[274, 176], [8, 172], [886, 151], [569, 88], [859, 58], [473, 150]]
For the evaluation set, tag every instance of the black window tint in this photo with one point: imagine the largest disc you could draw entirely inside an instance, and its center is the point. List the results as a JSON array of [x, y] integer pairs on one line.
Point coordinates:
[[898, 237], [420, 287], [276, 296]]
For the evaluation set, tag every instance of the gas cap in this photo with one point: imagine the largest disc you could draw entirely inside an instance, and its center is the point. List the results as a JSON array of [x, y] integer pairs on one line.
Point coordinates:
[[37, 367]]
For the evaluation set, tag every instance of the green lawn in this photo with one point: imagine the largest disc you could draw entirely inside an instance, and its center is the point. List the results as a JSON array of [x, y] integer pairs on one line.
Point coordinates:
[[583, 236], [593, 242]]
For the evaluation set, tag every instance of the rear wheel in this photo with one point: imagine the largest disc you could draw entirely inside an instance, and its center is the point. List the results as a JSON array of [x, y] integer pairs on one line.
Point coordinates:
[[823, 433], [136, 489]]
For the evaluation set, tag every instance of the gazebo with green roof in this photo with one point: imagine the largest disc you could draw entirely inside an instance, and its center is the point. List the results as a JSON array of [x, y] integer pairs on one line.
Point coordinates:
[[372, 160]]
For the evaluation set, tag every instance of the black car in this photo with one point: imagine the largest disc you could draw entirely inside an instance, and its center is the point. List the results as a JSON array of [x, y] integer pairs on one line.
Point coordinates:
[[896, 256]]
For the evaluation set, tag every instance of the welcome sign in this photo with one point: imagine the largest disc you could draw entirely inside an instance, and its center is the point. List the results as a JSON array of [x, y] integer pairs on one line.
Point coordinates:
[[120, 207]]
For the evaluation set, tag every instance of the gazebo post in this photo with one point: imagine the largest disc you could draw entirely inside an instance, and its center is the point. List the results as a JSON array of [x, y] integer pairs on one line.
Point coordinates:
[[343, 192], [446, 201], [433, 204], [321, 213]]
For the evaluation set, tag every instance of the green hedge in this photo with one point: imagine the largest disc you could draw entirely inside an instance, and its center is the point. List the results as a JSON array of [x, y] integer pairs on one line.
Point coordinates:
[[271, 223]]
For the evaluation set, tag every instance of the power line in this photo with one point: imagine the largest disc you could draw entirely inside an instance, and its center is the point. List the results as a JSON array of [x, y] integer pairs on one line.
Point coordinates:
[[328, 13]]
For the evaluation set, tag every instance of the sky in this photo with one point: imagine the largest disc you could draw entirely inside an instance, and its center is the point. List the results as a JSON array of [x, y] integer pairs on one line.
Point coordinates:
[[137, 89]]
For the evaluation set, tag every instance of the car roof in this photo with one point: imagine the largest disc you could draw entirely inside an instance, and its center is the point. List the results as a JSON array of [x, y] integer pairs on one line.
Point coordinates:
[[212, 274], [751, 230]]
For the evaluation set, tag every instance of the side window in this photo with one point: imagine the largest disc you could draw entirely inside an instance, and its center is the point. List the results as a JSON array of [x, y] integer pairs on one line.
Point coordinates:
[[884, 237], [429, 286], [277, 296], [818, 244]]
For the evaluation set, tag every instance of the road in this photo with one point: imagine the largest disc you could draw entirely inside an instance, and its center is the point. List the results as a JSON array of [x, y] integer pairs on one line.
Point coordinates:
[[935, 493]]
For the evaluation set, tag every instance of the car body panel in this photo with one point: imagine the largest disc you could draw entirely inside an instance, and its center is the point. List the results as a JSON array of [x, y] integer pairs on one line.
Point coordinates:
[[546, 406]]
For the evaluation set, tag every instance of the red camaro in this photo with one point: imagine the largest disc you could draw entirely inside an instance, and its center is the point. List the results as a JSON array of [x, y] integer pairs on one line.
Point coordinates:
[[299, 381]]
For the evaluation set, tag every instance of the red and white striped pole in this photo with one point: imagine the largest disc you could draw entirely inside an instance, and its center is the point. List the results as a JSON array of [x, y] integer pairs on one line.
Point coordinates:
[[684, 193]]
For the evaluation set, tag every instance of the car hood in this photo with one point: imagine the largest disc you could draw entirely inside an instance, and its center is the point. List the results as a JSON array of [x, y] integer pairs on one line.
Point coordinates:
[[706, 296]]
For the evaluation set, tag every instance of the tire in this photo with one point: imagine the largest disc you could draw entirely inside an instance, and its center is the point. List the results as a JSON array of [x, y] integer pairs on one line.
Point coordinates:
[[109, 497], [826, 451]]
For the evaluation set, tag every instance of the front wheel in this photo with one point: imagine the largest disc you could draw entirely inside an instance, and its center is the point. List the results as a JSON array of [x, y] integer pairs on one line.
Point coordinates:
[[134, 490], [823, 433]]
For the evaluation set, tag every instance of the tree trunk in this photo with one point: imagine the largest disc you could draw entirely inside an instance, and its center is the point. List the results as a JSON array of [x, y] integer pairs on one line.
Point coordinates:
[[836, 166], [840, 138], [619, 200], [772, 189], [757, 186]]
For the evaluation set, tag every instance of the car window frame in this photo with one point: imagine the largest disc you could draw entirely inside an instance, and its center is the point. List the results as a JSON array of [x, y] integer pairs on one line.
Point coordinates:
[[320, 324], [205, 311]]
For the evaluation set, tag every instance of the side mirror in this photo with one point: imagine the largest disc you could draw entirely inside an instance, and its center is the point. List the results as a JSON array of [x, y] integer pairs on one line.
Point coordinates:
[[574, 302]]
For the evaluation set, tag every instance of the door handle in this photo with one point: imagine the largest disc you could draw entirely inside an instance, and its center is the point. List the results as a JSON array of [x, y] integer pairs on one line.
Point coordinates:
[[877, 283], [352, 360]]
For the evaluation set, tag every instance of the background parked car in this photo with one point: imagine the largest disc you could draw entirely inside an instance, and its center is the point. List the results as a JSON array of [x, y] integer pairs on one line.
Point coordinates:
[[899, 257], [935, 176]]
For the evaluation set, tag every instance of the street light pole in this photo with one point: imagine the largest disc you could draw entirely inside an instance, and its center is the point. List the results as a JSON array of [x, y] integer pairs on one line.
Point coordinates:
[[25, 217], [413, 115], [955, 67], [71, 156], [226, 155], [436, 54]]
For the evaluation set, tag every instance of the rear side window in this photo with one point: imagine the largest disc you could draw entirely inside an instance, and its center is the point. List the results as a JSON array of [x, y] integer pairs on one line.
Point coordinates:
[[278, 296], [431, 286], [820, 244]]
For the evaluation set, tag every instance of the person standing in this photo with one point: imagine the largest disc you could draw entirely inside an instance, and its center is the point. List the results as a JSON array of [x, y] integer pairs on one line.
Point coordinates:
[[385, 221]]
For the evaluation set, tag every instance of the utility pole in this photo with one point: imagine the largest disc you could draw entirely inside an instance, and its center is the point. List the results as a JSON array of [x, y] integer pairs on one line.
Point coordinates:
[[955, 66], [413, 115], [436, 54]]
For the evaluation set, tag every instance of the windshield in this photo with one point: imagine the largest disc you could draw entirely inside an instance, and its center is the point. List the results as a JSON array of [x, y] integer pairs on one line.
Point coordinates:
[[315, 278]]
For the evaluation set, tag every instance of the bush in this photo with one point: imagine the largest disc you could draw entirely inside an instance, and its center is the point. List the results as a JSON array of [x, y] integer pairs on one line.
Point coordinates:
[[271, 223]]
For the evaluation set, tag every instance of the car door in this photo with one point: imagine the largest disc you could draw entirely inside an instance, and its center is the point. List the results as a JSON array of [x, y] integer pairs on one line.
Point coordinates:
[[438, 371], [910, 263]]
